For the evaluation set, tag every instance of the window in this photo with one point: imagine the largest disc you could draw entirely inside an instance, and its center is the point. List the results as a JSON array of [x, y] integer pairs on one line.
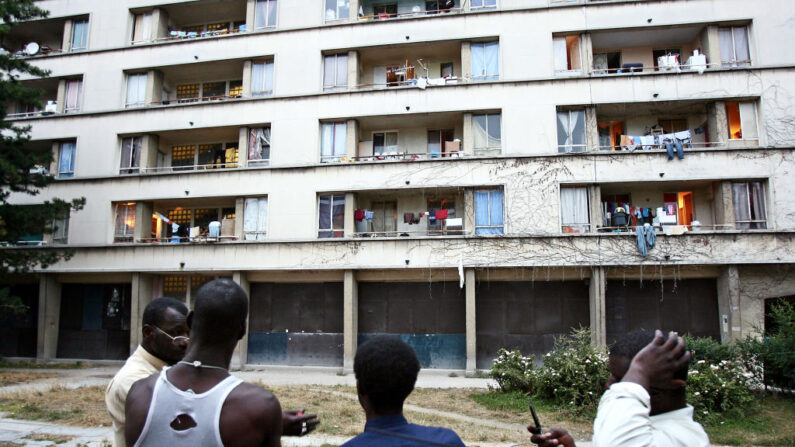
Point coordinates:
[[261, 79], [488, 212], [204, 156], [74, 90], [574, 215], [259, 146], [125, 222], [442, 142], [183, 157], [749, 206], [384, 217], [486, 133], [265, 14], [331, 216], [333, 141], [142, 28], [385, 143], [482, 5], [79, 34], [208, 91], [213, 90], [742, 121], [485, 61], [235, 89], [255, 219], [66, 160], [188, 92], [130, 155], [385, 11], [335, 72], [734, 50], [567, 54], [337, 9], [60, 233], [571, 131], [136, 90]]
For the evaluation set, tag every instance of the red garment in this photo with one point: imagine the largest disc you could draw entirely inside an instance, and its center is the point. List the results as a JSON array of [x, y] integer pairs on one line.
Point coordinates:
[[358, 215], [441, 214]]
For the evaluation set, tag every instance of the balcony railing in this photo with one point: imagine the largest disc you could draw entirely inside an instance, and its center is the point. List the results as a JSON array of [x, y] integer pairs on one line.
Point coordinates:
[[416, 233], [186, 240], [182, 168], [630, 69], [400, 15]]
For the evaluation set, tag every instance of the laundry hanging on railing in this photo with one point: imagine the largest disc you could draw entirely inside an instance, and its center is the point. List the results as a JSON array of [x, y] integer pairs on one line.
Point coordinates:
[[647, 142]]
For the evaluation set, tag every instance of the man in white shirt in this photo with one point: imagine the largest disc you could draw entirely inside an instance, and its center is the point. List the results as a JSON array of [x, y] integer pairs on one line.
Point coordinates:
[[164, 334], [645, 401]]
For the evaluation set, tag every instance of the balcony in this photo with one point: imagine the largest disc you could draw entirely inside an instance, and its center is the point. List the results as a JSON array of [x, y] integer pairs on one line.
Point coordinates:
[[48, 37], [59, 95], [177, 221], [380, 10], [191, 20], [411, 213]]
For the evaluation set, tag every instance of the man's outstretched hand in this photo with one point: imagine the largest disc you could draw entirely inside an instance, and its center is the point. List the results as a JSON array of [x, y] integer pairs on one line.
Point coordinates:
[[654, 366], [554, 437], [296, 423]]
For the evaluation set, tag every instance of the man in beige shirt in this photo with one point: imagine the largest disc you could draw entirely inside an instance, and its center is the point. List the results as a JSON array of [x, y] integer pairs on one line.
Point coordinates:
[[164, 340]]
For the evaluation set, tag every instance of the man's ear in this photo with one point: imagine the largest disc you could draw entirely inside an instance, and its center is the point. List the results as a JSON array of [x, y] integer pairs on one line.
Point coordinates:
[[189, 320], [147, 331]]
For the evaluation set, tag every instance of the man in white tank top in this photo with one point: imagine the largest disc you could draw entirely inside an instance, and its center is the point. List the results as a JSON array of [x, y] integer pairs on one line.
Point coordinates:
[[196, 402]]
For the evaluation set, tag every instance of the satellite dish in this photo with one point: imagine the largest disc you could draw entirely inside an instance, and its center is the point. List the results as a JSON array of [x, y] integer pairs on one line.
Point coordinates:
[[32, 48]]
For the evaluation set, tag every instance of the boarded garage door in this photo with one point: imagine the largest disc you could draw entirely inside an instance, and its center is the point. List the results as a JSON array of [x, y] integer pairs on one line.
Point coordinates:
[[686, 306], [428, 316], [526, 315], [296, 324], [18, 330], [94, 322]]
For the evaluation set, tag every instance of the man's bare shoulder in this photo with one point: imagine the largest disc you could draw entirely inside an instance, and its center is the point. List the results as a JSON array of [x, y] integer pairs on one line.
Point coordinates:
[[250, 416], [254, 400]]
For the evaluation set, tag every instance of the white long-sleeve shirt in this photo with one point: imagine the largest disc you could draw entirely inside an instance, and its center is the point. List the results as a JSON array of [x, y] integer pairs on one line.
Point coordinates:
[[623, 420]]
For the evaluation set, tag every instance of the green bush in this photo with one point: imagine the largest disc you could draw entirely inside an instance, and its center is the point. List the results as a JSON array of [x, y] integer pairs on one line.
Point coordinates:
[[717, 388], [512, 371]]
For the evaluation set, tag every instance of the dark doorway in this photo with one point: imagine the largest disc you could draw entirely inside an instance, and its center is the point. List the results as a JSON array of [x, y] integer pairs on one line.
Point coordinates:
[[94, 321], [18, 332]]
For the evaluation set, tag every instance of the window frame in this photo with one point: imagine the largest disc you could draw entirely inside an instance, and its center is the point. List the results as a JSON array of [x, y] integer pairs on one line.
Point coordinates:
[[740, 114], [129, 231], [384, 151], [142, 102], [331, 232], [486, 150], [333, 157], [572, 148], [762, 224], [266, 25], [256, 235], [72, 46], [589, 224], [336, 10], [484, 7], [130, 169], [489, 192], [734, 62], [71, 172], [60, 232], [336, 86], [79, 96], [268, 137], [265, 75], [487, 76]]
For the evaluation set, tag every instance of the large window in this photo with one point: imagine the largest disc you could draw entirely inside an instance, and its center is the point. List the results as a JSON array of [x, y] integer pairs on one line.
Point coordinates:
[[142, 28], [204, 156], [265, 14], [734, 50], [255, 219], [749, 206], [742, 121], [66, 160], [337, 9], [331, 215], [60, 234], [333, 141], [488, 212], [130, 155], [125, 222], [571, 131], [487, 133], [442, 143], [335, 72], [385, 143], [485, 61], [482, 5], [136, 90], [567, 55], [74, 91], [208, 91], [79, 34], [574, 215], [259, 146], [261, 79]]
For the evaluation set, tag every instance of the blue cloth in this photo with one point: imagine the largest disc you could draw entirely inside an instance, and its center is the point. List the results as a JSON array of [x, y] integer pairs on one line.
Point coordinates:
[[669, 146], [646, 238], [650, 236], [395, 431], [641, 240]]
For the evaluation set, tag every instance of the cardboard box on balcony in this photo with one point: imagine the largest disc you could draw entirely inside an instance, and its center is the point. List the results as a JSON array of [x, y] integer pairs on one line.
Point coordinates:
[[452, 146], [227, 227]]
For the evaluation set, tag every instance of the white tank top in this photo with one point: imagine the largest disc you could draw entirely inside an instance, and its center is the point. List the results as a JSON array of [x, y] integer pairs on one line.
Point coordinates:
[[168, 402]]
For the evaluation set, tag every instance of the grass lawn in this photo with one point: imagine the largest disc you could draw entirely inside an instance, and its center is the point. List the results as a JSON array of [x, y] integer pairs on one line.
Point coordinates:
[[13, 377], [27, 364]]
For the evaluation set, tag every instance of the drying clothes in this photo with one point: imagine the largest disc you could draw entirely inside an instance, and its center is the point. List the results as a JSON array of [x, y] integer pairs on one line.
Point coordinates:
[[646, 238], [408, 218], [647, 142], [628, 142], [646, 212], [684, 136], [441, 214], [214, 229], [650, 235], [358, 215], [174, 227], [368, 215]]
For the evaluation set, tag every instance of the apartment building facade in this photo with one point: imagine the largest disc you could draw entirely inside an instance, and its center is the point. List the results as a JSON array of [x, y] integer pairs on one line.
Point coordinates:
[[465, 174]]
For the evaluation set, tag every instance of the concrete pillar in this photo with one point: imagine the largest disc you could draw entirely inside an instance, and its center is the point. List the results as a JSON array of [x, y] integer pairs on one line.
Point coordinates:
[[591, 129], [717, 124], [351, 319], [586, 53], [60, 98], [710, 45], [56, 152], [247, 79], [350, 205], [66, 42], [595, 199], [729, 311], [471, 326], [159, 24], [469, 211], [352, 139], [240, 356], [240, 208], [724, 205], [596, 305], [154, 87], [143, 221], [468, 145], [466, 61], [142, 294], [242, 149], [251, 6], [354, 11], [149, 145], [48, 318], [353, 66]]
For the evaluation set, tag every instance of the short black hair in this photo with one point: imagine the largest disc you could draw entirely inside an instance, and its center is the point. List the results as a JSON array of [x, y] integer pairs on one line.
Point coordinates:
[[386, 369], [155, 310], [630, 344], [221, 307]]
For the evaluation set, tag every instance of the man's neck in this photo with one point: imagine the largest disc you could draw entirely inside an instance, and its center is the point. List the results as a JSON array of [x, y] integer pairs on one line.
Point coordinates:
[[370, 415], [209, 355]]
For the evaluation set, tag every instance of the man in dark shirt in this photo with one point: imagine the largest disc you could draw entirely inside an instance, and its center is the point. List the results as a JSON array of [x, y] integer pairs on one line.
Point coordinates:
[[386, 370]]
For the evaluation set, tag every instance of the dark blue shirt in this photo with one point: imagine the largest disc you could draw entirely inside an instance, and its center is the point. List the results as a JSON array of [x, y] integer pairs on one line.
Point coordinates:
[[395, 431]]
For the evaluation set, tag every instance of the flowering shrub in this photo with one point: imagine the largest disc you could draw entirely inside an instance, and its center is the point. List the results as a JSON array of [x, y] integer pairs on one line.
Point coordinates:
[[716, 388], [512, 371]]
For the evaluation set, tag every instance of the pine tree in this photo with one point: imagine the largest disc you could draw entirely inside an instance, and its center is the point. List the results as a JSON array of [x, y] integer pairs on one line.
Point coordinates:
[[18, 173]]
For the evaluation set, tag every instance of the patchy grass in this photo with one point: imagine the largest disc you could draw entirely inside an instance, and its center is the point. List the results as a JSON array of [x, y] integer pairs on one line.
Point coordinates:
[[14, 377], [10, 444], [771, 424], [58, 439], [83, 406], [26, 364]]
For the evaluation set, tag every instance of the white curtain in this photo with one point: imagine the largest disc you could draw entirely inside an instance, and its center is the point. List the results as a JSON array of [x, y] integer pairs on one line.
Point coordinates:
[[73, 95], [335, 71], [125, 220], [131, 154], [571, 131], [261, 78], [485, 61], [479, 132], [748, 121], [559, 49], [749, 205], [136, 89], [734, 50], [741, 53], [493, 60], [327, 136], [493, 122], [340, 135], [66, 162], [79, 34], [574, 208], [265, 14], [255, 219]]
